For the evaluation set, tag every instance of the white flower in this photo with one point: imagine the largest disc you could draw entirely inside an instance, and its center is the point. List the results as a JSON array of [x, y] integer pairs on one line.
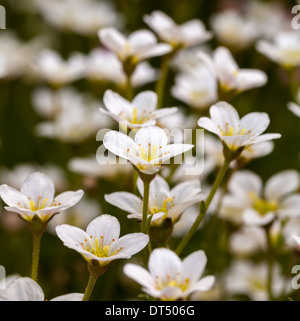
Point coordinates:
[[295, 107], [36, 198], [89, 207], [139, 45], [83, 17], [76, 118], [163, 202], [296, 240], [148, 151], [233, 131], [245, 277], [284, 50], [229, 75], [26, 289], [197, 89], [105, 167], [258, 205], [169, 278], [49, 104], [234, 30], [138, 113], [248, 240], [103, 65], [101, 240], [179, 36], [52, 68]]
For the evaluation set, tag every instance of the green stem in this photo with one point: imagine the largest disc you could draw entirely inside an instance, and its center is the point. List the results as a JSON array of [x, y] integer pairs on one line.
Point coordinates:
[[95, 270], [129, 89], [90, 286], [35, 255], [203, 207], [145, 206]]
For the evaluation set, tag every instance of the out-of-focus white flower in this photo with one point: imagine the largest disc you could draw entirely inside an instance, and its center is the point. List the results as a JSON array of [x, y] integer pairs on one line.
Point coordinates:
[[284, 49], [101, 240], [26, 289], [228, 73], [140, 112], [295, 107], [287, 230], [36, 200], [103, 65], [76, 117], [163, 201], [255, 205], [186, 221], [268, 25], [248, 240], [50, 66], [16, 176], [169, 278], [16, 56], [81, 16], [49, 104], [233, 29], [245, 277], [148, 151], [179, 36], [197, 89], [79, 215], [296, 240], [139, 45], [100, 167], [233, 131]]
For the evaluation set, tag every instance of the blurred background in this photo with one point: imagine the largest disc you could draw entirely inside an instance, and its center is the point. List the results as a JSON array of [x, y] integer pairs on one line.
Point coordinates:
[[49, 120]]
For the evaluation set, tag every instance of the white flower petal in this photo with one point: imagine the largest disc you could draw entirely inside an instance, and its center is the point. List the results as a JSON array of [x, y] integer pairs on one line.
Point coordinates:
[[164, 264], [252, 217], [12, 197], [282, 184], [105, 227], [38, 187], [69, 297], [129, 245], [255, 122], [24, 289], [193, 266], [126, 201], [139, 274]]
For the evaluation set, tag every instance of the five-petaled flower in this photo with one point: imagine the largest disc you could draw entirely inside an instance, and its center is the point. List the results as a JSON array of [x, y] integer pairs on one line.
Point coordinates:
[[138, 46], [148, 151], [36, 198], [138, 113], [163, 201], [169, 278], [179, 36], [258, 205], [234, 132], [101, 240]]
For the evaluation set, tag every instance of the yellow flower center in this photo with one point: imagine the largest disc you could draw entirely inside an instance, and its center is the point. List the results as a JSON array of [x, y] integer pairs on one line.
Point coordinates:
[[96, 247], [154, 209], [159, 284], [231, 131], [263, 206], [40, 204]]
